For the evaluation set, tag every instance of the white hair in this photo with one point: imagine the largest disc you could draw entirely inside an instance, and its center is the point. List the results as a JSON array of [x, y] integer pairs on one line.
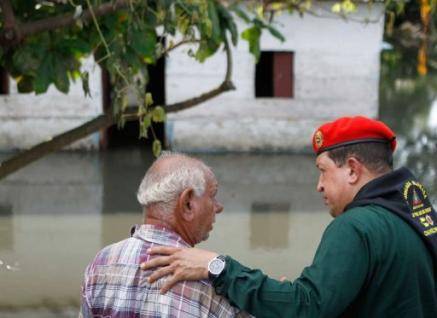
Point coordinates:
[[162, 186]]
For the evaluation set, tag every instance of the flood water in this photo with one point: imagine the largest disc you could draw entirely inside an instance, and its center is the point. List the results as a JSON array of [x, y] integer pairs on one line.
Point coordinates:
[[58, 212]]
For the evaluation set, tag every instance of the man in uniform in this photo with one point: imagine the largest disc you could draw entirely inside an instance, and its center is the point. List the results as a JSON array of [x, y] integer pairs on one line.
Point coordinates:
[[377, 258]]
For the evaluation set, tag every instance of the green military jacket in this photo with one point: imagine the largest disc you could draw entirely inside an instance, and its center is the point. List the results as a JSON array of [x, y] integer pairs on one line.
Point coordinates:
[[370, 263]]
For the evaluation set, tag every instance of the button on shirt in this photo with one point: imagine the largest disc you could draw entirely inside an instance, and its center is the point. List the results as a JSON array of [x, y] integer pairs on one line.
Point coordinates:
[[115, 285]]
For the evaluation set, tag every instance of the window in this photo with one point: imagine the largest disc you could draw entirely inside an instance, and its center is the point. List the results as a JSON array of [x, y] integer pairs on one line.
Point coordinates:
[[274, 75]]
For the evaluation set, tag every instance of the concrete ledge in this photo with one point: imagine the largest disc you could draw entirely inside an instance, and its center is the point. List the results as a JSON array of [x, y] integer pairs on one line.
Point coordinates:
[[23, 133], [240, 135]]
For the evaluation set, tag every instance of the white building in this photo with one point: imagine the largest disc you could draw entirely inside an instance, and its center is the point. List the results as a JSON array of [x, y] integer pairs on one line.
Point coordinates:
[[331, 66], [327, 67]]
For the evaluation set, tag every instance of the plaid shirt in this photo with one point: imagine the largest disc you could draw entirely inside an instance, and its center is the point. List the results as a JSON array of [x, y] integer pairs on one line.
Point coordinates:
[[115, 286]]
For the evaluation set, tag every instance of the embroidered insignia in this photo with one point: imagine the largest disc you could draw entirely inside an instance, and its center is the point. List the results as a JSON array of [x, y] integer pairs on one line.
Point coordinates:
[[415, 194], [318, 139]]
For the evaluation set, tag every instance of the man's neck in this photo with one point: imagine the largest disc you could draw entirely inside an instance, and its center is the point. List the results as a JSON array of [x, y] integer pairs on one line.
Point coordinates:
[[153, 221], [172, 225], [368, 177]]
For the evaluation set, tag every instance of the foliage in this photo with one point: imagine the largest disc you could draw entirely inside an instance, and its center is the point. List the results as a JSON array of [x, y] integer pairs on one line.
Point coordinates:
[[408, 83], [403, 90], [411, 28], [407, 101]]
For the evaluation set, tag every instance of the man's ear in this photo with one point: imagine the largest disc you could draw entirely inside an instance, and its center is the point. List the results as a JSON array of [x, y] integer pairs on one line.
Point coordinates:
[[186, 204], [355, 170]]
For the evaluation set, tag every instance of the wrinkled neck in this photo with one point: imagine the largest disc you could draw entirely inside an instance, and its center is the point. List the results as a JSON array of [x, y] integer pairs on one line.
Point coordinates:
[[174, 223], [183, 228], [155, 221]]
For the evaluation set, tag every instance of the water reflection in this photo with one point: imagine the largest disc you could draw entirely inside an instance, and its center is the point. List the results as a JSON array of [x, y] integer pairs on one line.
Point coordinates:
[[6, 226], [272, 218], [57, 213]]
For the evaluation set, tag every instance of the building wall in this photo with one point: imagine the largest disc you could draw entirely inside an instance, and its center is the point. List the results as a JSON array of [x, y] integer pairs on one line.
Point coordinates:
[[28, 119], [336, 71]]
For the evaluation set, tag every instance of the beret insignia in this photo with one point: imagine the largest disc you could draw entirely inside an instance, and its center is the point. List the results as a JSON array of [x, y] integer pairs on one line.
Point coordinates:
[[318, 139]]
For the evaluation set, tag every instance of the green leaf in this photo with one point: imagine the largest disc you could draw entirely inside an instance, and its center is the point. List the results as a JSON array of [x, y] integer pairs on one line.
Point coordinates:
[[144, 125], [143, 132], [215, 23], [108, 24], [156, 147], [252, 35], [147, 121], [158, 114], [170, 24], [73, 45], [44, 75], [148, 100], [144, 42], [228, 22], [275, 33], [400, 7], [183, 23], [27, 60], [132, 57], [205, 50], [232, 27], [240, 13], [61, 80]]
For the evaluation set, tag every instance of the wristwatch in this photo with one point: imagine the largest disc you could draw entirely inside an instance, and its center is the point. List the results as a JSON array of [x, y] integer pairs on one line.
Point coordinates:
[[216, 266]]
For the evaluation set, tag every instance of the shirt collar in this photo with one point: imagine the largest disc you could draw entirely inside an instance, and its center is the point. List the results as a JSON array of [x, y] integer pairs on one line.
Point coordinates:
[[158, 234]]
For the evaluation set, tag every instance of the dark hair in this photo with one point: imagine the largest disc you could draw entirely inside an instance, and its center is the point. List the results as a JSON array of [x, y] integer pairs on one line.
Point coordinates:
[[377, 157]]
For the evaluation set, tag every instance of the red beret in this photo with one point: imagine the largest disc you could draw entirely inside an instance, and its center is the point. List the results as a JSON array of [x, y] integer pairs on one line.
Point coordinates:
[[351, 130]]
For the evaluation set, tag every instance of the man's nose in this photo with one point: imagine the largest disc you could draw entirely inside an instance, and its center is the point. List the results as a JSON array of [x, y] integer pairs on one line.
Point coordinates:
[[319, 186]]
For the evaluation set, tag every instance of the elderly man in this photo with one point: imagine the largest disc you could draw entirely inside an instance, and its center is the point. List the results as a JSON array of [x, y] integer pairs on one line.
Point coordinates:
[[178, 195], [377, 258]]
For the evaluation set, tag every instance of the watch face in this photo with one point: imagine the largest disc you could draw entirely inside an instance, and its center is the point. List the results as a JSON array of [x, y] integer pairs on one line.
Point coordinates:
[[216, 266]]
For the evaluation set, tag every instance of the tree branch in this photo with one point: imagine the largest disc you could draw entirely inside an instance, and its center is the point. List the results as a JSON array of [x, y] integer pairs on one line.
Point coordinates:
[[10, 28], [60, 21], [171, 48], [28, 156], [8, 13], [176, 107], [101, 122], [227, 85]]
